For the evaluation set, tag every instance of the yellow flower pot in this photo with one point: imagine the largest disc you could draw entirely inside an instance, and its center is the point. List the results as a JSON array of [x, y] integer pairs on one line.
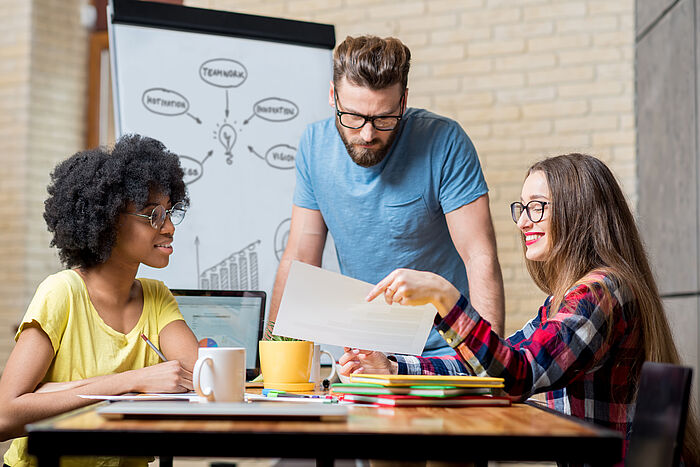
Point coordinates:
[[286, 365]]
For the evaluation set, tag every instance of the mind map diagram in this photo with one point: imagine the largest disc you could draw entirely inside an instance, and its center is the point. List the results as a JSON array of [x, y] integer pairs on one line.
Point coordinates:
[[240, 269], [226, 74]]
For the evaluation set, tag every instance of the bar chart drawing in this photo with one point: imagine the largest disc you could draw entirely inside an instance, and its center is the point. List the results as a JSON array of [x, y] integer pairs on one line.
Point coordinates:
[[238, 271]]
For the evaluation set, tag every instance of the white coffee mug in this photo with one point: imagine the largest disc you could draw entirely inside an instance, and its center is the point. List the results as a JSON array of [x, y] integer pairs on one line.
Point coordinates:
[[219, 374], [316, 365]]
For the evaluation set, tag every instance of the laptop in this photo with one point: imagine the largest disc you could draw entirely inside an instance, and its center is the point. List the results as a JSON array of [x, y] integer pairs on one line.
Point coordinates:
[[226, 318], [224, 410]]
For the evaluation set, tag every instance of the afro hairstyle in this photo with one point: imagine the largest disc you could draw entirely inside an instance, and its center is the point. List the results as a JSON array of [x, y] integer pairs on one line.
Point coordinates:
[[89, 190]]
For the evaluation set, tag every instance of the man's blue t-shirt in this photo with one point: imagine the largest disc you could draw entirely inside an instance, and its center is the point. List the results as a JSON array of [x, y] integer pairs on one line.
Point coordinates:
[[391, 215]]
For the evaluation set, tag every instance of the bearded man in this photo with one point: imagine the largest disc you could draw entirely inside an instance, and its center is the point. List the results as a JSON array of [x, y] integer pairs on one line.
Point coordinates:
[[396, 187]]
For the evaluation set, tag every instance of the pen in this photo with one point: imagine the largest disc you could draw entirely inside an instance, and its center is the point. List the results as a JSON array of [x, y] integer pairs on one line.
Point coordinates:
[[302, 397], [277, 393], [155, 349]]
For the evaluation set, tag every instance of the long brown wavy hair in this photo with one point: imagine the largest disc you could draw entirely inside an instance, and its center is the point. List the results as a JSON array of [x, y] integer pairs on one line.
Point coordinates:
[[593, 229]]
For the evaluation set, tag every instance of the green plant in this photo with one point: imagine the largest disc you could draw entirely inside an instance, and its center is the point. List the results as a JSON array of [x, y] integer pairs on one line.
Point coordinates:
[[268, 336]]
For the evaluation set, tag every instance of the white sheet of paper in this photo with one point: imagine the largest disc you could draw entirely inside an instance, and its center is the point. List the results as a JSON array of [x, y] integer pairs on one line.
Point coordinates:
[[329, 308], [187, 396]]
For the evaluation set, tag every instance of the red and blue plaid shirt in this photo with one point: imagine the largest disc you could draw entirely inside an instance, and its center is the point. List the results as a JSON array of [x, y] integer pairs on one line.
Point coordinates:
[[583, 357]]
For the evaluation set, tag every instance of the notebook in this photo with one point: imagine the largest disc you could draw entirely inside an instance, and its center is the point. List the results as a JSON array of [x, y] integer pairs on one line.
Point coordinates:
[[428, 380], [223, 410], [423, 391], [226, 318]]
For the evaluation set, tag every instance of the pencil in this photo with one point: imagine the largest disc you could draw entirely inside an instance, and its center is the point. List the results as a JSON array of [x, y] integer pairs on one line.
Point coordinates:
[[155, 349]]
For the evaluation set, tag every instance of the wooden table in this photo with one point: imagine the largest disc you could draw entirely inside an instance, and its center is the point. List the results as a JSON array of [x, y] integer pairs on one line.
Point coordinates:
[[522, 432]]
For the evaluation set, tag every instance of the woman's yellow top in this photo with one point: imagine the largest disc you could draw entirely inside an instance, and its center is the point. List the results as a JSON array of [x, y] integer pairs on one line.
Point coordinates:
[[85, 346]]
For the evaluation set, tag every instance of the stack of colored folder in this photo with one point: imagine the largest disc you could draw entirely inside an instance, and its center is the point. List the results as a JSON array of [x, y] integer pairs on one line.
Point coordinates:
[[421, 390]]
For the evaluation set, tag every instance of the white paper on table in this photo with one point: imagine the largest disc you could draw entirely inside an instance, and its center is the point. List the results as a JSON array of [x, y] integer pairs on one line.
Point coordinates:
[[329, 308], [186, 396]]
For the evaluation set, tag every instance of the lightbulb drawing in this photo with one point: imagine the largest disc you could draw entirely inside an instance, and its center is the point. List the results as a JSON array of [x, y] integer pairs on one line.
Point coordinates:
[[227, 137]]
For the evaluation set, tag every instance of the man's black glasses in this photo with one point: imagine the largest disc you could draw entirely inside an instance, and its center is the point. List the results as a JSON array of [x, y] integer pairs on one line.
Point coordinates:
[[356, 121]]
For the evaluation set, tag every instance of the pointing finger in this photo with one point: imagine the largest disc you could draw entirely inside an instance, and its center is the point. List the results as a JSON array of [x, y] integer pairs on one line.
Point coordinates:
[[379, 288]]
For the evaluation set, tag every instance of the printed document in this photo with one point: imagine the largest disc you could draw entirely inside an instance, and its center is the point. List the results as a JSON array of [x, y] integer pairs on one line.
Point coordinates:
[[329, 308]]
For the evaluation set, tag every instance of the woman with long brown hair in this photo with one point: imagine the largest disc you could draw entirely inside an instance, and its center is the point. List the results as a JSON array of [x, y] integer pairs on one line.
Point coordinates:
[[603, 317]]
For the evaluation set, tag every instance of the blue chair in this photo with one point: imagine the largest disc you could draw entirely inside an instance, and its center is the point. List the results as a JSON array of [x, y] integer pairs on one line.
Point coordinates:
[[660, 415]]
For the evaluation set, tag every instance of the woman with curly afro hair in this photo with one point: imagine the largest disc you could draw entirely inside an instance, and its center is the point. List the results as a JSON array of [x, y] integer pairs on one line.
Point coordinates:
[[109, 212]]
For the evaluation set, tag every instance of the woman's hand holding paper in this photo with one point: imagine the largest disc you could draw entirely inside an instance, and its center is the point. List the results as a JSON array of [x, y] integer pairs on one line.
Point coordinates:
[[365, 361]]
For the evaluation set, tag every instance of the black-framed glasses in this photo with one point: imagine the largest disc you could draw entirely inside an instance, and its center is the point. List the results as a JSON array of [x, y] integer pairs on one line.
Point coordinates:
[[534, 210], [356, 121], [159, 213]]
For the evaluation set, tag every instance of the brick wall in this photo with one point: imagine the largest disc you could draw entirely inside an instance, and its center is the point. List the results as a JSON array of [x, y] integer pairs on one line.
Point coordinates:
[[525, 78], [15, 39], [58, 92], [43, 82]]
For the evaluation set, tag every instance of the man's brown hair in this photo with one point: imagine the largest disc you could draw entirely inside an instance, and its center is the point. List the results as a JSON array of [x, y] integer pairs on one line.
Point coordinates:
[[372, 62]]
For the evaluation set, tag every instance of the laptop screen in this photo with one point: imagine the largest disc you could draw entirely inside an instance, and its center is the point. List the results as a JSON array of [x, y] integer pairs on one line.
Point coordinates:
[[225, 318]]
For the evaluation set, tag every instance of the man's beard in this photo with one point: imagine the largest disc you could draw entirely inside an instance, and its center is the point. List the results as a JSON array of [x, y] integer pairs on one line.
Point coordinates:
[[365, 157]]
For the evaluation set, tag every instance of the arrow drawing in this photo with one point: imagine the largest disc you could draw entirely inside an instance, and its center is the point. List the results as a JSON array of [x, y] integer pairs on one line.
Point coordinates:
[[250, 148], [194, 118]]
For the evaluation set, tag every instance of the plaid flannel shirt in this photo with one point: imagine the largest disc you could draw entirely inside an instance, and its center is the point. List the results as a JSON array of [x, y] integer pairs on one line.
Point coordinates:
[[582, 360]]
